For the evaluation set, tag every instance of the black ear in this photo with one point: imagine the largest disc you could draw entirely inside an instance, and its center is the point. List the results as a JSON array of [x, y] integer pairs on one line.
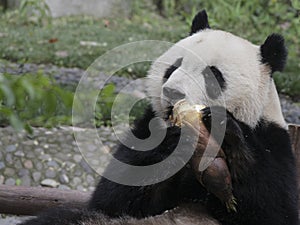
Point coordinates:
[[274, 52], [200, 22]]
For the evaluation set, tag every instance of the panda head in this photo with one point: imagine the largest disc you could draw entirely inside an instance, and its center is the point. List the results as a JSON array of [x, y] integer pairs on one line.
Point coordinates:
[[214, 67]]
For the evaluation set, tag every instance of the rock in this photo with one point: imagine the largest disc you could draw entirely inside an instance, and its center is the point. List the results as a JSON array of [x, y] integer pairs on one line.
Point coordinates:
[[39, 166], [76, 181], [9, 172], [10, 182], [19, 153], [2, 165], [45, 157], [64, 187], [26, 181], [49, 183], [50, 173], [90, 180], [77, 158], [23, 172], [53, 164], [9, 159], [28, 164], [2, 179], [64, 179], [11, 148], [36, 176], [80, 188]]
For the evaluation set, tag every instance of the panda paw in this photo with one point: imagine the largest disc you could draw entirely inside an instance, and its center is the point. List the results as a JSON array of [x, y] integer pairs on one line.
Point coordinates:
[[217, 118], [238, 155]]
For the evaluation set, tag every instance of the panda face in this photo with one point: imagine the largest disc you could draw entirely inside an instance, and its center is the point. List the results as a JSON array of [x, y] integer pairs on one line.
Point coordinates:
[[213, 67]]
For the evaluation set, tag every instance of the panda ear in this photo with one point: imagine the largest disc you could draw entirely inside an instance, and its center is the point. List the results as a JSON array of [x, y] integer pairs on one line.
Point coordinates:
[[200, 22], [274, 52]]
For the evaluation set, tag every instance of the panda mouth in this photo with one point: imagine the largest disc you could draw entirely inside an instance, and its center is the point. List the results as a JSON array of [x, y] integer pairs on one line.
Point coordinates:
[[169, 112]]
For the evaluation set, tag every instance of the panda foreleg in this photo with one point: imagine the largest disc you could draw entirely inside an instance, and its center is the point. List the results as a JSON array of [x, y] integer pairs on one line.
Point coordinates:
[[234, 144], [116, 199]]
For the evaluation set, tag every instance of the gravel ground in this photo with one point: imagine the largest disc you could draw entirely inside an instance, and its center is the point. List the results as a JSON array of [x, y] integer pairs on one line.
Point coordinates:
[[51, 157]]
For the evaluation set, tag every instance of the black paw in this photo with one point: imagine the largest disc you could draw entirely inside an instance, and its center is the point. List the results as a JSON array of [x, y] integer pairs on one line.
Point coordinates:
[[218, 120], [229, 134]]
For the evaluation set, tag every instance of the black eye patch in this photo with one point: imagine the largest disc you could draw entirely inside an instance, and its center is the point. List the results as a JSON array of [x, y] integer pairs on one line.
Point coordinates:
[[172, 68], [214, 81]]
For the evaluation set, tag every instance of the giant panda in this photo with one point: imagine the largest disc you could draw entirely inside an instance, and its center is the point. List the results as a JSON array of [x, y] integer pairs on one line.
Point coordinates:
[[256, 143]]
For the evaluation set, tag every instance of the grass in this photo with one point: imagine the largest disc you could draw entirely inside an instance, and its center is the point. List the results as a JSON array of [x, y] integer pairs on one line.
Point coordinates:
[[61, 42]]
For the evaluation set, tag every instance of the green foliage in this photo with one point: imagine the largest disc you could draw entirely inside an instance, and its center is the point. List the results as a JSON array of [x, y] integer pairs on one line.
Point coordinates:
[[18, 182], [104, 104], [105, 101], [35, 11], [33, 100]]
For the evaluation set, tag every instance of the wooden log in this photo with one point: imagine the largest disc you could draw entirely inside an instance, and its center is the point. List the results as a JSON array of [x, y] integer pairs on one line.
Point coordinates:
[[32, 200], [295, 140]]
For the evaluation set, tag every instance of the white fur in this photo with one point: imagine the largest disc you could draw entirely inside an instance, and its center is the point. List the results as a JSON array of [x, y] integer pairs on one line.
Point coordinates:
[[250, 93]]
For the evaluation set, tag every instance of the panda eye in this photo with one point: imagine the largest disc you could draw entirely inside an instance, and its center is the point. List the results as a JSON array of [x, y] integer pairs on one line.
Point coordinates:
[[172, 68], [218, 75], [211, 75]]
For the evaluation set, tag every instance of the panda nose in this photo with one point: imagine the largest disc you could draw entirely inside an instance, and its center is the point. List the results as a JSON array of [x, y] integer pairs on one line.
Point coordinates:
[[173, 94]]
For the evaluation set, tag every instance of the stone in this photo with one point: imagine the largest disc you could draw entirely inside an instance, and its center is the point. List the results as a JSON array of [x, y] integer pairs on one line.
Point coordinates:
[[39, 166], [76, 181], [77, 158], [26, 181], [28, 164], [2, 179], [9, 172], [30, 155], [70, 166], [23, 172], [36, 176], [9, 159], [80, 188], [19, 153], [90, 180], [78, 172], [10, 182], [2, 165], [64, 187], [87, 168], [11, 148], [45, 157], [53, 164], [64, 179], [49, 183], [50, 173]]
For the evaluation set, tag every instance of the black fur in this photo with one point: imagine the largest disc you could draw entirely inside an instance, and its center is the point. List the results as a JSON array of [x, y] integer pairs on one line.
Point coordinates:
[[274, 52], [266, 190], [214, 81], [172, 68], [200, 22]]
